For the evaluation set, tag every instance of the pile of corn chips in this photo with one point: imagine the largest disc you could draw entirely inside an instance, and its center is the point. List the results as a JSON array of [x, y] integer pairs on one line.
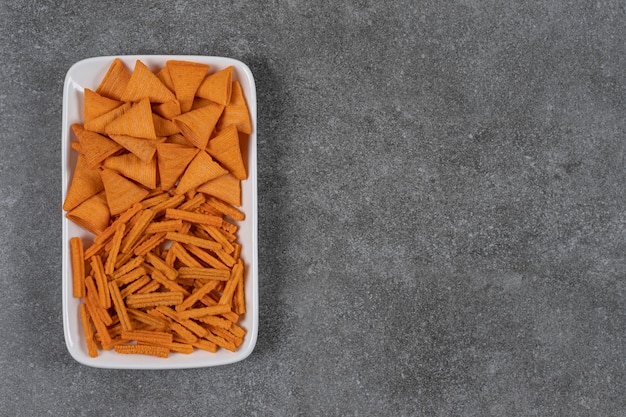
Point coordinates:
[[157, 182]]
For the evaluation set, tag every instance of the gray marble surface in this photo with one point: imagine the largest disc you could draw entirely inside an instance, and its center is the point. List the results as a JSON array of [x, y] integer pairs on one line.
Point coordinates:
[[442, 210]]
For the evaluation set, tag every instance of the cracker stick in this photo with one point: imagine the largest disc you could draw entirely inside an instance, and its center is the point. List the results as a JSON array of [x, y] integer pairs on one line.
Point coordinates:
[[193, 217], [122, 219], [78, 267], [109, 266], [204, 311], [183, 256], [134, 286], [230, 211], [229, 227], [127, 267], [192, 203], [190, 325], [85, 318], [221, 342], [158, 351], [150, 287], [150, 320], [240, 297], [94, 249], [148, 336], [168, 284], [154, 200], [196, 241], [226, 335], [203, 273], [120, 307], [196, 295], [206, 257], [216, 321], [101, 281], [172, 202], [154, 299], [208, 301], [219, 237], [185, 348], [224, 257], [237, 330], [131, 276], [93, 298], [133, 234], [150, 243], [159, 264], [236, 276], [205, 345], [164, 226]]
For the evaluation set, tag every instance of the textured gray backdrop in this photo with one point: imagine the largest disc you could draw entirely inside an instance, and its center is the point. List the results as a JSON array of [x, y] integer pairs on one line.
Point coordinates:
[[442, 210]]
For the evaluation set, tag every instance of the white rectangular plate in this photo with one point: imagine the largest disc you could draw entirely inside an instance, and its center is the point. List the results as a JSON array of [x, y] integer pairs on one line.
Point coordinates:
[[87, 74]]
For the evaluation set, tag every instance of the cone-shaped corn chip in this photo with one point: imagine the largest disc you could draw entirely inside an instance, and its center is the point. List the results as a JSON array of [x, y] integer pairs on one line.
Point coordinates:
[[173, 159], [197, 125], [144, 83], [217, 86], [144, 149], [200, 102], [99, 123], [164, 127], [135, 122], [237, 111], [186, 77], [164, 75], [225, 187], [115, 80], [96, 105], [201, 169], [121, 193], [134, 168], [92, 214], [225, 148], [94, 147], [168, 110], [179, 139], [85, 183]]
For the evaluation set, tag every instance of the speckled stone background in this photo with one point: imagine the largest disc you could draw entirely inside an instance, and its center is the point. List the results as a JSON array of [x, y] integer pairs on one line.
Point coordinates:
[[442, 212]]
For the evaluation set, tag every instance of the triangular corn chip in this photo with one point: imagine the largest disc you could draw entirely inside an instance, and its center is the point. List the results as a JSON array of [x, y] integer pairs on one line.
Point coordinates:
[[134, 168], [144, 83], [217, 86], [115, 80], [94, 146], [200, 170], [225, 148], [164, 75], [179, 139], [237, 111], [121, 193], [135, 122], [96, 105], [143, 149], [164, 127], [92, 214], [186, 77], [85, 183], [167, 110], [225, 187], [200, 102], [197, 125], [173, 159], [99, 123]]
